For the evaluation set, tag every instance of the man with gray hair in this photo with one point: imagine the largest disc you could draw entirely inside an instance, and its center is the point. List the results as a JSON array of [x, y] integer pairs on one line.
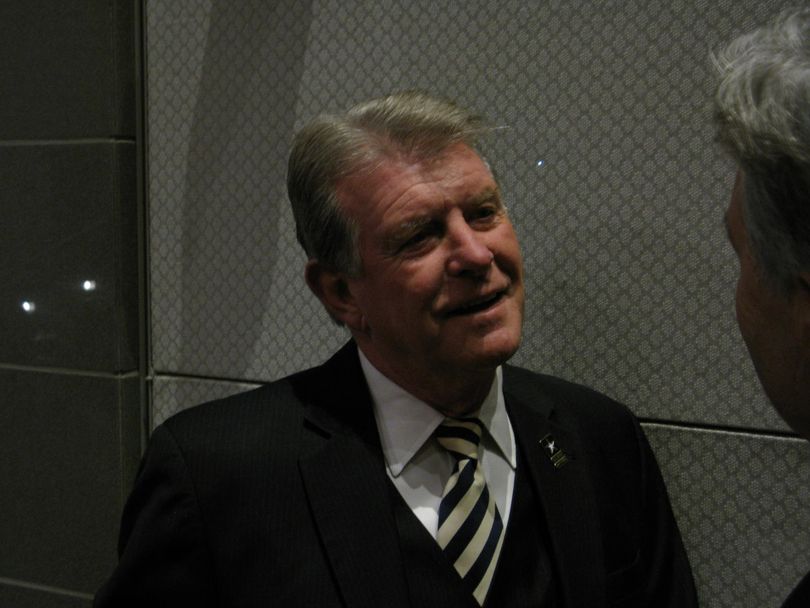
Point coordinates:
[[763, 119], [414, 468]]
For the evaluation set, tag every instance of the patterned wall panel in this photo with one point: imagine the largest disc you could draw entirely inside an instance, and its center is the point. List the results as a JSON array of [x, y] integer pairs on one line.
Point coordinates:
[[742, 505], [610, 172], [607, 163], [228, 298]]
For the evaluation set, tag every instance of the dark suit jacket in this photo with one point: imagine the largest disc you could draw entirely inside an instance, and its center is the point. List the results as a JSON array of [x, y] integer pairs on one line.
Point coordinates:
[[800, 596], [279, 497]]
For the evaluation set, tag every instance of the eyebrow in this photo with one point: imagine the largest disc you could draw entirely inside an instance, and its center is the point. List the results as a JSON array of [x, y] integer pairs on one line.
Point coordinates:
[[412, 225], [425, 218], [400, 233], [485, 195]]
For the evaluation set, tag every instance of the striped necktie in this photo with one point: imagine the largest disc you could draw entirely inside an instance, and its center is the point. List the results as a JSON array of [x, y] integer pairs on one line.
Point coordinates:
[[470, 527]]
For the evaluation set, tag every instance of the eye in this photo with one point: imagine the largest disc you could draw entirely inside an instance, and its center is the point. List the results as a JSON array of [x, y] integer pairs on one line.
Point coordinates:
[[485, 214], [419, 239], [416, 239]]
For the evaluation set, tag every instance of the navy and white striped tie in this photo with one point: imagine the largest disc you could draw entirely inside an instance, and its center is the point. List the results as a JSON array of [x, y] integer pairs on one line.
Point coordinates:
[[470, 527]]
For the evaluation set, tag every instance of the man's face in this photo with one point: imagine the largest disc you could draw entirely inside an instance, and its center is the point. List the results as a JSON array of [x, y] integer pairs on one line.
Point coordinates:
[[441, 287], [773, 325]]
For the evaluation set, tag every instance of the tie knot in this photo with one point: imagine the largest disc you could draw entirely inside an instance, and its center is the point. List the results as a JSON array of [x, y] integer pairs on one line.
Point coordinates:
[[460, 437]]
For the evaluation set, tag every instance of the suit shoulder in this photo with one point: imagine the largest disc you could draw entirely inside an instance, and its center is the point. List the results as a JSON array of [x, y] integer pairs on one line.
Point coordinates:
[[567, 399], [272, 407], [800, 596], [610, 437]]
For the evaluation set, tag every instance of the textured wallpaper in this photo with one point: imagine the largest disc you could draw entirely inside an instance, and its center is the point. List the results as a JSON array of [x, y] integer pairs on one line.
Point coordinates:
[[609, 169], [606, 159]]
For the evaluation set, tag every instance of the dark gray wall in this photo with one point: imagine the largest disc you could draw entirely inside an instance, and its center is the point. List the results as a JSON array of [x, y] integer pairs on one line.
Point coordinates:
[[70, 331]]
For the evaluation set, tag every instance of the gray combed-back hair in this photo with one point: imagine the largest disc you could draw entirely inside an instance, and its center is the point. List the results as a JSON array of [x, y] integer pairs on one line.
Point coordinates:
[[762, 113], [332, 147]]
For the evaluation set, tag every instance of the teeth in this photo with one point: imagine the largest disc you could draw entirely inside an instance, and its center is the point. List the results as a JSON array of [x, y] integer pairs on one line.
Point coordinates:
[[480, 303]]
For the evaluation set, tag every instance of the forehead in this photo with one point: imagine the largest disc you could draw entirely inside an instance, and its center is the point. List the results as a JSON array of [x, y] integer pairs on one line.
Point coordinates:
[[403, 182]]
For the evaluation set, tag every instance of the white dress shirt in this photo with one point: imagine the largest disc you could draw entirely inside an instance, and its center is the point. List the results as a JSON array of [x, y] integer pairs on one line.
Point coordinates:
[[418, 465]]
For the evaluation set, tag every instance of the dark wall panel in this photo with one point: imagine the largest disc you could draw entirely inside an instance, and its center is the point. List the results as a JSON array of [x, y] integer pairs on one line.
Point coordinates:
[[69, 251], [70, 334], [66, 451], [67, 70]]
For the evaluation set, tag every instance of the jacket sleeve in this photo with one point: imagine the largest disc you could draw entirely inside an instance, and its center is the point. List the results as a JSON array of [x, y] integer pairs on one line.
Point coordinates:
[[163, 560], [669, 582]]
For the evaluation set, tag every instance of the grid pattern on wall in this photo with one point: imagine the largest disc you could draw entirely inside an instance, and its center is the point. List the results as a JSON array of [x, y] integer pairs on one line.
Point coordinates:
[[609, 170]]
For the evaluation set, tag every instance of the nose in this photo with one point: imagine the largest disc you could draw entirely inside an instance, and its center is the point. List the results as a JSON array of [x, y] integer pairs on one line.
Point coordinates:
[[469, 254]]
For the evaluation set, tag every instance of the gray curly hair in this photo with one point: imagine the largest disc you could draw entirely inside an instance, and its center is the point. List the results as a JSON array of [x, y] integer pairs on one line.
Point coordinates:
[[332, 147], [762, 114]]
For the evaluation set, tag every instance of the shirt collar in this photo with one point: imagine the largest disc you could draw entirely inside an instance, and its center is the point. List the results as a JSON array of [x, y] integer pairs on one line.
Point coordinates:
[[405, 422]]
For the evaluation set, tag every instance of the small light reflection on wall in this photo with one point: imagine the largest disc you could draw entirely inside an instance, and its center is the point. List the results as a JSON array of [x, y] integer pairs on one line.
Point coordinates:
[[89, 285], [28, 306]]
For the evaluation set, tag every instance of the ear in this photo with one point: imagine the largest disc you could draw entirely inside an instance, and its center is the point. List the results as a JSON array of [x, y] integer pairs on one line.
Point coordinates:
[[332, 289]]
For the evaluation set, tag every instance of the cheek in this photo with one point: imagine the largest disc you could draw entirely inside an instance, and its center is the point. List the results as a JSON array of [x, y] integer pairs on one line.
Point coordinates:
[[411, 295], [738, 303], [425, 279], [745, 312], [745, 298], [506, 248]]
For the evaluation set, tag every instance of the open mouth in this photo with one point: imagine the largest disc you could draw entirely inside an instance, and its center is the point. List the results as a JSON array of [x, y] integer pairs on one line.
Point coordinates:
[[478, 305]]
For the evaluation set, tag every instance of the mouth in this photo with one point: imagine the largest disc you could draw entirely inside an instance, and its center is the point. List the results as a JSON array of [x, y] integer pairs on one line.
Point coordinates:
[[478, 305]]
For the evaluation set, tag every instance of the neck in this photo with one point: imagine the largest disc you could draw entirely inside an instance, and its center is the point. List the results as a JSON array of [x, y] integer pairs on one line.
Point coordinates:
[[455, 394], [462, 401]]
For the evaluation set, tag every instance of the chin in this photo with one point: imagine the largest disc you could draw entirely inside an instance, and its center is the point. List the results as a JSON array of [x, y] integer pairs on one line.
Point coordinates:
[[498, 351]]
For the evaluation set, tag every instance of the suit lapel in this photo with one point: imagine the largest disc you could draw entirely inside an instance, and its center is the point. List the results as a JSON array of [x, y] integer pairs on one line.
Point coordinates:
[[565, 492], [343, 471]]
